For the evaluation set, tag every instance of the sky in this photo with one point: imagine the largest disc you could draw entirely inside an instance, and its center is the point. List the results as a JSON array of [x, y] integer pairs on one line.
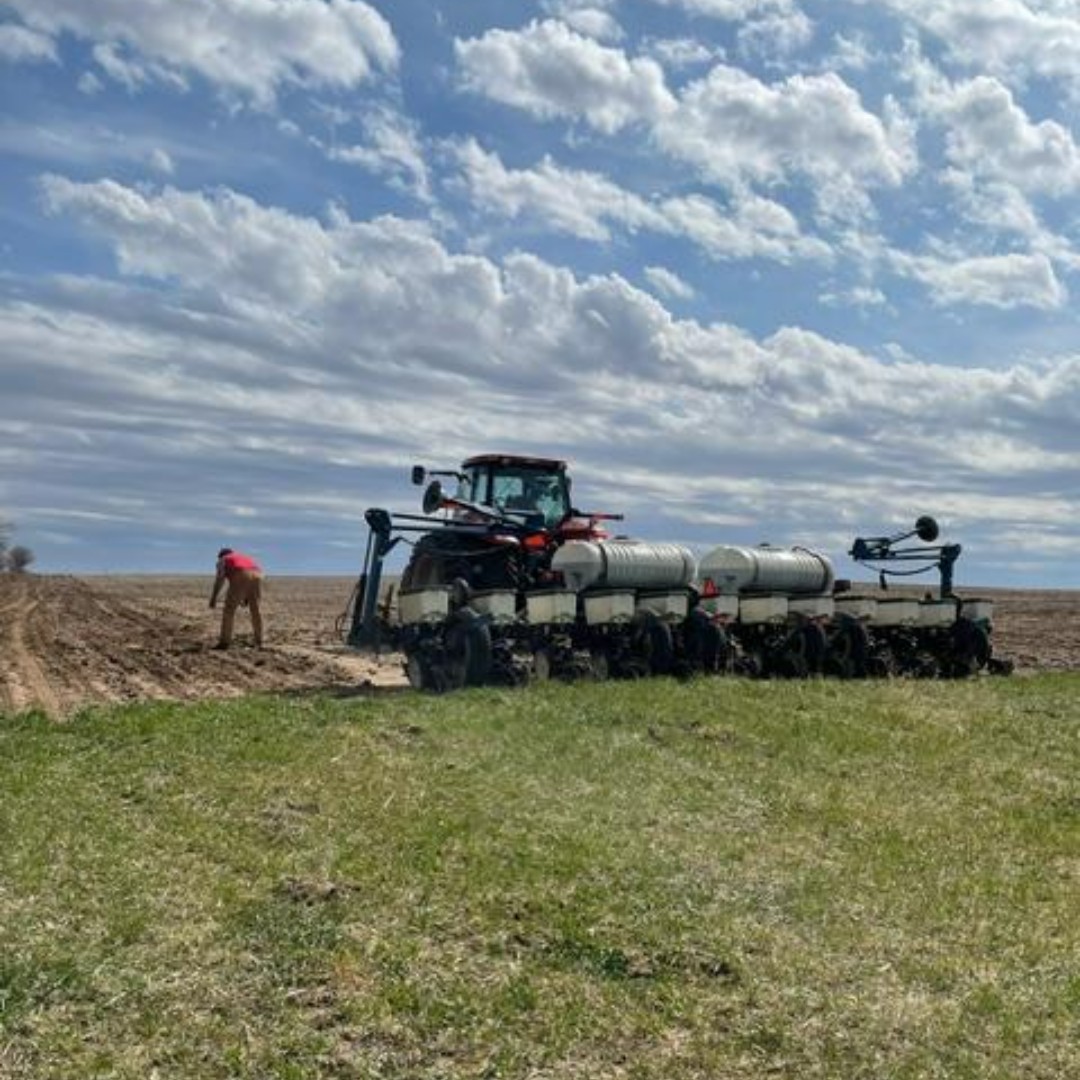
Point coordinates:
[[786, 271]]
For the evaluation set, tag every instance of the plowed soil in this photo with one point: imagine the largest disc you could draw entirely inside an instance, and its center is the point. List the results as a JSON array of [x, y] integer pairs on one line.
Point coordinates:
[[67, 642]]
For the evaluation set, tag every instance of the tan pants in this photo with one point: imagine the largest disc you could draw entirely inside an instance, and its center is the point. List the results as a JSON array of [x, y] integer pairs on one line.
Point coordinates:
[[245, 587]]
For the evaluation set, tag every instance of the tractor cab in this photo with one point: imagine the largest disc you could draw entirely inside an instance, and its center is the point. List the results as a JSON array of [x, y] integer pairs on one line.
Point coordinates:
[[535, 490]]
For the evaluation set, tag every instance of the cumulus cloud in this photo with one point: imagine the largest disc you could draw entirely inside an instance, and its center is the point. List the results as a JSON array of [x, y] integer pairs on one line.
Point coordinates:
[[576, 202], [732, 126], [250, 48], [1002, 281], [1011, 38], [589, 17], [588, 206], [551, 71], [732, 10], [990, 135]]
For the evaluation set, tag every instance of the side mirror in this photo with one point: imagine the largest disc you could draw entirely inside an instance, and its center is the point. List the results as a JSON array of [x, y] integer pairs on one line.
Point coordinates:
[[433, 497], [926, 529], [419, 474]]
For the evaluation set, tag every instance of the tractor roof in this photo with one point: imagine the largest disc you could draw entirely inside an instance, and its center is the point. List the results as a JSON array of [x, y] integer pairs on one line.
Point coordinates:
[[548, 464]]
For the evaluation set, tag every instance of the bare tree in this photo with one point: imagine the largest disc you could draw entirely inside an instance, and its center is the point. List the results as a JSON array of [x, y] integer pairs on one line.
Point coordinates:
[[5, 535], [19, 559]]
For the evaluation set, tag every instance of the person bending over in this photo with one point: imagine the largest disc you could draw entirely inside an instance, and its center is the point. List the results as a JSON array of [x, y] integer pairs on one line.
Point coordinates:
[[244, 577]]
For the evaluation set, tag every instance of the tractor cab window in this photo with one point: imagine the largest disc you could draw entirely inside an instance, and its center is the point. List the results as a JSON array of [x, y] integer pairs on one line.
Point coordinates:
[[518, 490], [471, 486]]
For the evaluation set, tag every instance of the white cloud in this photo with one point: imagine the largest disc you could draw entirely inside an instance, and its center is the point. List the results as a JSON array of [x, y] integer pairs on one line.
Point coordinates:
[[566, 200], [20, 44], [1001, 281], [250, 48], [551, 71], [769, 28], [393, 149], [776, 34], [732, 126], [160, 161], [861, 296], [684, 52], [731, 10], [1010, 38], [316, 351], [850, 52], [667, 283], [588, 205], [89, 84], [325, 299], [989, 134]]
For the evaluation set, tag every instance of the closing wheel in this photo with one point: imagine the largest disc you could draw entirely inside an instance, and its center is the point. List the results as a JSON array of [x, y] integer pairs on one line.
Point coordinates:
[[970, 651], [417, 672], [468, 648], [542, 664], [706, 643], [600, 665], [813, 647], [652, 642], [848, 648]]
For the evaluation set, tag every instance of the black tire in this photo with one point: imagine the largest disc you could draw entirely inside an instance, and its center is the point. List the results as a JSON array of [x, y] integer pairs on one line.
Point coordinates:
[[815, 646], [468, 648], [652, 642], [418, 672], [706, 643], [543, 666], [971, 649], [423, 570], [848, 648]]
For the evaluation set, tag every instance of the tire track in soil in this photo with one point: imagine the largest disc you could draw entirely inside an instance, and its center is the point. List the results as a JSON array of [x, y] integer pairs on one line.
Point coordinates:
[[65, 644], [24, 681]]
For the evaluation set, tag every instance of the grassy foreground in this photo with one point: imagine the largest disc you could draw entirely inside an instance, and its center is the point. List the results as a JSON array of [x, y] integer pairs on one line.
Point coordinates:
[[714, 879]]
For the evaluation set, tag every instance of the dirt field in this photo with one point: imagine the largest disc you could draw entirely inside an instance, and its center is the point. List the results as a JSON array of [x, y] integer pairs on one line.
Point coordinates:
[[66, 642]]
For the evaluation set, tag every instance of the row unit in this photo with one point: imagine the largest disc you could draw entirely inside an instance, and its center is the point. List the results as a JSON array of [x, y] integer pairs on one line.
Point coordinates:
[[604, 607]]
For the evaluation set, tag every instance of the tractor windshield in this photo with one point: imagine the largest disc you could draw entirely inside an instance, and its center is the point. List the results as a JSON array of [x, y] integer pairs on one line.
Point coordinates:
[[518, 490]]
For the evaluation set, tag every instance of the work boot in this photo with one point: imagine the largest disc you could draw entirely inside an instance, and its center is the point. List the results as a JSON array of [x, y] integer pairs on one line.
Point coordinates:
[[221, 645]]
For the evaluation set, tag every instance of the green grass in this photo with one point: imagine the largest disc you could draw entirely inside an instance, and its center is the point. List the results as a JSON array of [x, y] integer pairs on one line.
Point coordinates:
[[713, 879]]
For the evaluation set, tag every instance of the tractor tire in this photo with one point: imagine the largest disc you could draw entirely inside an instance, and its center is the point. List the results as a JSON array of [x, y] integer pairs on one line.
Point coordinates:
[[652, 642], [468, 649], [422, 571]]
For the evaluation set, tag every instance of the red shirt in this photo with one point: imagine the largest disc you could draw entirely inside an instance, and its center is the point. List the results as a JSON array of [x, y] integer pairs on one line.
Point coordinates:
[[234, 562]]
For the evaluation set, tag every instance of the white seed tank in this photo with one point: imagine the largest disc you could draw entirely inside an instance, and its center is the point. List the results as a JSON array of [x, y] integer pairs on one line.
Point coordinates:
[[624, 564], [766, 569]]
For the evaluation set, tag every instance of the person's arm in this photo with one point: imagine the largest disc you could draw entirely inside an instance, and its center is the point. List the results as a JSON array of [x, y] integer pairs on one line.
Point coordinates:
[[219, 581]]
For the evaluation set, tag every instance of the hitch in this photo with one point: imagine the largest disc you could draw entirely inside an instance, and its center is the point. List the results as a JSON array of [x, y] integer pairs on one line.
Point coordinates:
[[364, 631]]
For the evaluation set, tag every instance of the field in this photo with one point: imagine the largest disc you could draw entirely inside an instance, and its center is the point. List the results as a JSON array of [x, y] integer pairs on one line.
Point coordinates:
[[66, 642], [296, 868], [657, 880]]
